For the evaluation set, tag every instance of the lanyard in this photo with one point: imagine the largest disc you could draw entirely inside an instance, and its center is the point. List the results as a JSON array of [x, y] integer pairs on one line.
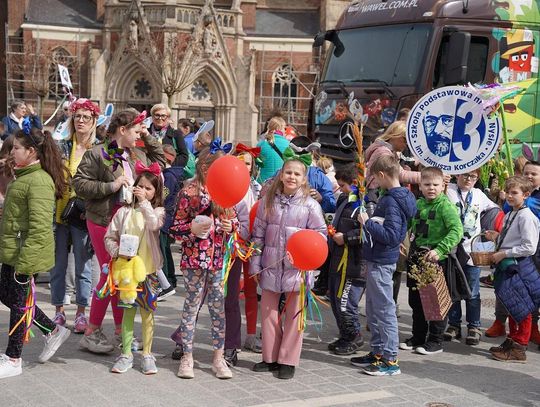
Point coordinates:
[[507, 226], [464, 205]]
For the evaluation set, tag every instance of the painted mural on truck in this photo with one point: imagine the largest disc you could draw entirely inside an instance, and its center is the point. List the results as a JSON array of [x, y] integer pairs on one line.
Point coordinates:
[[517, 62]]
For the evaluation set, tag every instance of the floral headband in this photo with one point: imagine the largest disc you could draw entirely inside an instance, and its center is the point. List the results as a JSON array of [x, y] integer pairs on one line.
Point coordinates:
[[289, 155], [138, 119], [83, 103]]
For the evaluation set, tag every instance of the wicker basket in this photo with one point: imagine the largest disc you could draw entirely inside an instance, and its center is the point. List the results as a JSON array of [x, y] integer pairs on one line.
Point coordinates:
[[480, 258]]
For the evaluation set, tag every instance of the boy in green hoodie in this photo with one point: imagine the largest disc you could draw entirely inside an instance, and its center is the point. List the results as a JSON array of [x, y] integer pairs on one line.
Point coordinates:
[[438, 228]]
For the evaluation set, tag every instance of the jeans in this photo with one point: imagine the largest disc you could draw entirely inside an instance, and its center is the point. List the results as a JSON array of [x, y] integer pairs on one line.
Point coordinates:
[[345, 309], [472, 305], [381, 310], [82, 252]]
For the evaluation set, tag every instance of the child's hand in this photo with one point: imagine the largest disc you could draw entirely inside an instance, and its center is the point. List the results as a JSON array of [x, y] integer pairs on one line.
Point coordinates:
[[139, 194], [432, 256], [338, 238], [226, 225], [492, 235], [315, 195], [199, 229], [363, 217], [497, 257]]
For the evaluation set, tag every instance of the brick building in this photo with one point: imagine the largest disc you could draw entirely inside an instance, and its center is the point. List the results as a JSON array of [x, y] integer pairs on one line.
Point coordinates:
[[230, 60]]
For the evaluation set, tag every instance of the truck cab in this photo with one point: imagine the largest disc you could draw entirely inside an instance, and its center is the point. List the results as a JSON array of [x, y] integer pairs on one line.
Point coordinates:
[[384, 55]]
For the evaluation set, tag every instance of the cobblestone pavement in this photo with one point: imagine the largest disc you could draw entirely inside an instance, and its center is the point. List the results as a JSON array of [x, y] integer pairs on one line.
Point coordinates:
[[461, 376]]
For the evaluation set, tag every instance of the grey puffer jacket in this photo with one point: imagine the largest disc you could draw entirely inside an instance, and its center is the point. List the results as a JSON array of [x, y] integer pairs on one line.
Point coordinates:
[[271, 232]]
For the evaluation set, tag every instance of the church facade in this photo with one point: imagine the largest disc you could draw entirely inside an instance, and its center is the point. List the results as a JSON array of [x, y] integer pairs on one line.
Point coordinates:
[[234, 61]]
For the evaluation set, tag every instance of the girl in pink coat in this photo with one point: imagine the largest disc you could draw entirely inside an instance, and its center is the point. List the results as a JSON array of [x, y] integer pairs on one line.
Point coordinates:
[[285, 209]]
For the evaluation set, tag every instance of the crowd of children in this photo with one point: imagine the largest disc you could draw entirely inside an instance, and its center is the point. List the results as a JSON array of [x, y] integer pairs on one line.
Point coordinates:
[[139, 199]]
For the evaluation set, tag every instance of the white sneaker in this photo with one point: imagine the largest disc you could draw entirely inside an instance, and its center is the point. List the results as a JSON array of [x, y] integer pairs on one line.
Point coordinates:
[[53, 341], [9, 368], [96, 342]]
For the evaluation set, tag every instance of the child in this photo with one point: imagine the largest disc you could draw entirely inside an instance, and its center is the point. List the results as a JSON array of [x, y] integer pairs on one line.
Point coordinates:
[[202, 259], [172, 184], [345, 283], [233, 319], [438, 228], [396, 207], [27, 241], [471, 203], [286, 208], [144, 221], [516, 244]]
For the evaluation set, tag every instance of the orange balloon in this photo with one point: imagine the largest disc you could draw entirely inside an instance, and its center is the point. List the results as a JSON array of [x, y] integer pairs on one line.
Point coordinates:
[[227, 181], [307, 249], [253, 215]]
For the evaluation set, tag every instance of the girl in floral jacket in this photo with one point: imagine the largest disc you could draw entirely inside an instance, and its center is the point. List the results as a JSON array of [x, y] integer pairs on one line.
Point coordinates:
[[202, 259]]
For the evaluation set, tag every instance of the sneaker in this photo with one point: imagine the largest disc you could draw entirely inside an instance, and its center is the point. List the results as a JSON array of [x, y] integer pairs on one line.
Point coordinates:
[[231, 357], [473, 336], [336, 343], [53, 341], [486, 281], [149, 365], [503, 346], [81, 323], [452, 332], [96, 342], [535, 334], [497, 329], [429, 348], [253, 343], [383, 367], [221, 370], [265, 367], [177, 353], [185, 371], [286, 372], [166, 293], [515, 353], [59, 319], [349, 348], [122, 363], [365, 360], [8, 367], [408, 344], [136, 343]]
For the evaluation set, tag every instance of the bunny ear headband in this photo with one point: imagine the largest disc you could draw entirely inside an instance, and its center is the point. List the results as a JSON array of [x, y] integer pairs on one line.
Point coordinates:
[[528, 152]]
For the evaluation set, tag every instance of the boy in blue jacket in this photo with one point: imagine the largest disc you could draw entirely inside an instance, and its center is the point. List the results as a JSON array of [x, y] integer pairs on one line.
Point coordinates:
[[385, 232]]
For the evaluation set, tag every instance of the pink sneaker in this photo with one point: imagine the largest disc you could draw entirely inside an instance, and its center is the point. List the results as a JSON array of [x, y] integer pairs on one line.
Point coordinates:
[[81, 324], [59, 319]]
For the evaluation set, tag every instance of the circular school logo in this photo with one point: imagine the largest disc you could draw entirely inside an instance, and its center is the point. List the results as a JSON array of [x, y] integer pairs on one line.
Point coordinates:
[[448, 129]]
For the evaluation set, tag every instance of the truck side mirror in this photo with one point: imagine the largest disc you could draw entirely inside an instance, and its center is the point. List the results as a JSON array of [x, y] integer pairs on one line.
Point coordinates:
[[333, 37], [455, 70]]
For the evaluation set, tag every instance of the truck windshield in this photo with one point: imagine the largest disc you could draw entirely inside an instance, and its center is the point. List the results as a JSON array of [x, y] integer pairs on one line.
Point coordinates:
[[391, 55]]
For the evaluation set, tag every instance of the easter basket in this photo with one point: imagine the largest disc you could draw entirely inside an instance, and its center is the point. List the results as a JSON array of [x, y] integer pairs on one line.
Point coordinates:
[[480, 258]]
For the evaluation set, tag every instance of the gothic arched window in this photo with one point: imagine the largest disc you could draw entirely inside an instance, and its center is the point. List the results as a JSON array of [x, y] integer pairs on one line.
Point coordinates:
[[285, 86]]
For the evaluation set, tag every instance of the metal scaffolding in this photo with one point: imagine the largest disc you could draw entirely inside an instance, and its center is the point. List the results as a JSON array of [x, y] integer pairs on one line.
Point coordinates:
[[284, 87]]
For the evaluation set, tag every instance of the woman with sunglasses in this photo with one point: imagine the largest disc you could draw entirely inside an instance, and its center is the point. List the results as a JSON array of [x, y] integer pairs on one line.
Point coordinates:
[[105, 172], [161, 129], [72, 231]]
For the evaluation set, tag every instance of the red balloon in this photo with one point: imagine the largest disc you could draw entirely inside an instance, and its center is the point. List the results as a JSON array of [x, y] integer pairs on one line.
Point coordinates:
[[227, 181], [307, 249], [253, 215]]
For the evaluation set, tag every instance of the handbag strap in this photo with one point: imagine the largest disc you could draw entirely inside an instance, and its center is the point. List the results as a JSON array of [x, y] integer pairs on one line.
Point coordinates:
[[274, 147]]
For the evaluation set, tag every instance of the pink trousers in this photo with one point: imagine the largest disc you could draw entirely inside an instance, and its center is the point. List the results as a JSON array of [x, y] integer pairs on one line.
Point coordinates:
[[98, 308], [281, 345]]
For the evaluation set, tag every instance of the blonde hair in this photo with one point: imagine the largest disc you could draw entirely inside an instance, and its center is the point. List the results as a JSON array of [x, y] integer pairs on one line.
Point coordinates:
[[92, 132], [275, 124], [324, 163], [277, 187], [396, 129]]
